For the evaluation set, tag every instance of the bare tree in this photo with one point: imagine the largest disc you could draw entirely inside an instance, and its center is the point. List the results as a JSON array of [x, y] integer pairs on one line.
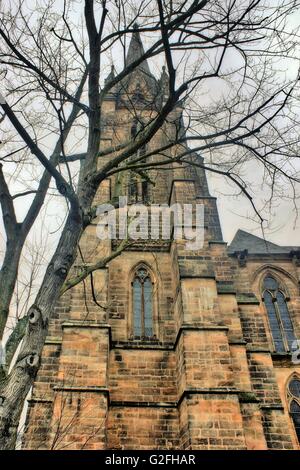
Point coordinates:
[[33, 263], [53, 70]]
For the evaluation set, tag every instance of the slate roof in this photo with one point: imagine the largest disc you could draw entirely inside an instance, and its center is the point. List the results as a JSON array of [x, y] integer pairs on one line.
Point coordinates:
[[256, 245]]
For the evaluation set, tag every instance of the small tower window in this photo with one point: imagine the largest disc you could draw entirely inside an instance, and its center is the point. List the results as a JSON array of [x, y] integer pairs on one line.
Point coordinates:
[[278, 314], [137, 126], [133, 189], [134, 128], [144, 191], [138, 95], [142, 304], [137, 190], [293, 392], [138, 187]]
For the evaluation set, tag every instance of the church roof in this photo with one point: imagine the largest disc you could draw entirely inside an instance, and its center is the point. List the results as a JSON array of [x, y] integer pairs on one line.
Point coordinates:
[[256, 245]]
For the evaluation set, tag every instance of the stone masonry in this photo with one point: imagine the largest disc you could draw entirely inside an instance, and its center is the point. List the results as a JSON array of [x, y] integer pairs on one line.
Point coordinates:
[[209, 377]]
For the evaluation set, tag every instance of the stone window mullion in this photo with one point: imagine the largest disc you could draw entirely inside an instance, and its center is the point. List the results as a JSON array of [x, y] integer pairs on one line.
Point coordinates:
[[284, 339], [279, 319]]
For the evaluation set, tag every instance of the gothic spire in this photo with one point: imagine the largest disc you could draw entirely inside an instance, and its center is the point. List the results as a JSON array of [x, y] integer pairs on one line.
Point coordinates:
[[136, 50]]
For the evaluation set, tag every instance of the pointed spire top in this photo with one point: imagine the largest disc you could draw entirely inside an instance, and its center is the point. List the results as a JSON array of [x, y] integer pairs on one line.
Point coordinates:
[[142, 71], [111, 75], [164, 78], [164, 84], [136, 50], [181, 126]]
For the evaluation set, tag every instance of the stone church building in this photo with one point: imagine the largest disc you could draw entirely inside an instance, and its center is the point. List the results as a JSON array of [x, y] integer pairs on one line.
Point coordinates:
[[168, 348]]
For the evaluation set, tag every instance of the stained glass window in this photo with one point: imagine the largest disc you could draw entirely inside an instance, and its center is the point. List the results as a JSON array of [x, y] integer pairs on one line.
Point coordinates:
[[142, 304], [274, 322], [270, 283], [295, 413], [278, 314], [294, 403], [294, 387]]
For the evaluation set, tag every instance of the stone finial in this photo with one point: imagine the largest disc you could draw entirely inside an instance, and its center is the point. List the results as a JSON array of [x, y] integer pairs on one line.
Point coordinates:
[[111, 75]]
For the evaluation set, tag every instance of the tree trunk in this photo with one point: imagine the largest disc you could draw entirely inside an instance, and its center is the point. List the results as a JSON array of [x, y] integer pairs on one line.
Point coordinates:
[[8, 277], [16, 386]]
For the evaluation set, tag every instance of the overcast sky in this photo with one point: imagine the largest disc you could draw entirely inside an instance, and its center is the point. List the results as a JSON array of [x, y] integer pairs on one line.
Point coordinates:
[[235, 213], [283, 226]]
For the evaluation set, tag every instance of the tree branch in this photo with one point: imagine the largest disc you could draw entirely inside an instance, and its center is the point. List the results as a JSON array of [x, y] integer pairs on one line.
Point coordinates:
[[7, 206], [88, 269], [63, 187], [41, 74]]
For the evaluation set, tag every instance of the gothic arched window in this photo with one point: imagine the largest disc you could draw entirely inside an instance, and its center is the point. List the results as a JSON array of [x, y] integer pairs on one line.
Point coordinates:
[[279, 318], [293, 392], [138, 185], [142, 304]]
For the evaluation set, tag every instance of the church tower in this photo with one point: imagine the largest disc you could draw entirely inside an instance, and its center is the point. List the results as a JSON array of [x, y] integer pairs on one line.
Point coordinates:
[[163, 347]]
